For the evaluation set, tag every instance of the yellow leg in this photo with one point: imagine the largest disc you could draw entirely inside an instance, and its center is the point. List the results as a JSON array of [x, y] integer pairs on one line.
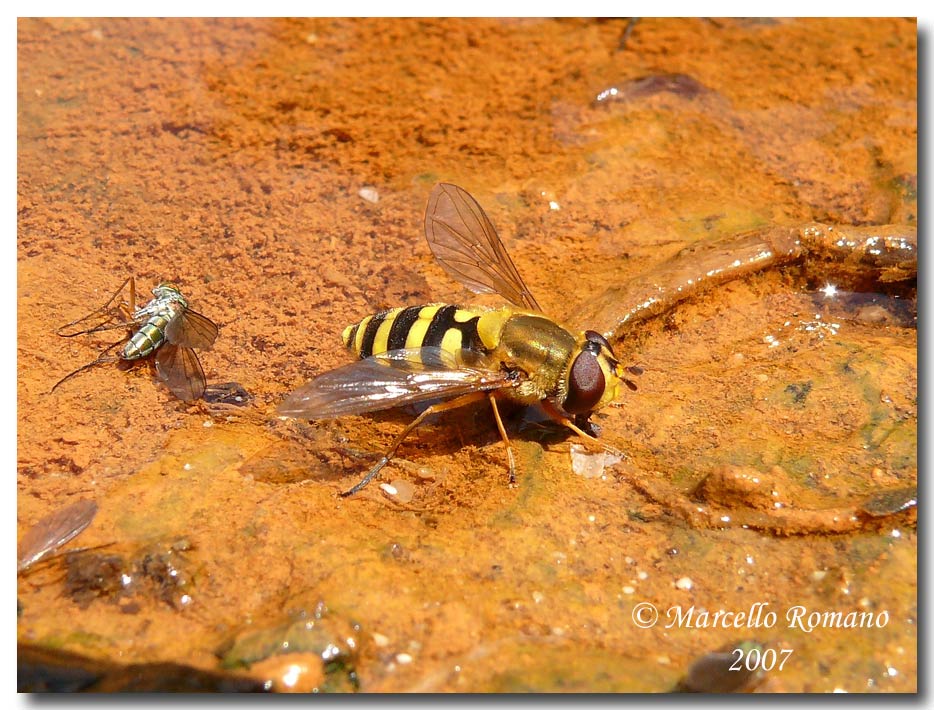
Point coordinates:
[[433, 409], [502, 433], [591, 442]]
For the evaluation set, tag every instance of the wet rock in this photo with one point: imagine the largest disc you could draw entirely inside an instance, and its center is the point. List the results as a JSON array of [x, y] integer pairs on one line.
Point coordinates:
[[43, 670], [167, 568], [94, 575], [890, 502], [328, 638], [232, 393], [677, 84], [712, 672], [743, 487], [159, 570]]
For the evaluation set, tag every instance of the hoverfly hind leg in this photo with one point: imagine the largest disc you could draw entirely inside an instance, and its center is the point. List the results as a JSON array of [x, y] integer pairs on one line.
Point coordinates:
[[369, 476], [391, 451]]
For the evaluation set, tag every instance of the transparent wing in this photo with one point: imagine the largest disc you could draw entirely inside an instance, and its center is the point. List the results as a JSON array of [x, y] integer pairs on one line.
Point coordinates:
[[392, 379], [53, 531], [178, 367], [191, 330], [464, 242]]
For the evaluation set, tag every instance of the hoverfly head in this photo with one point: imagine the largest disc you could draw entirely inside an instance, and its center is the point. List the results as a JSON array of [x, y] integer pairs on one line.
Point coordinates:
[[592, 378]]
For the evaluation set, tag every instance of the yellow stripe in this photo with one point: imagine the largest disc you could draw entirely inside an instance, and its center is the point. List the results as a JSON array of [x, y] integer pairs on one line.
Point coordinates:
[[345, 335], [361, 330], [451, 342], [462, 316], [490, 326], [381, 341], [420, 327]]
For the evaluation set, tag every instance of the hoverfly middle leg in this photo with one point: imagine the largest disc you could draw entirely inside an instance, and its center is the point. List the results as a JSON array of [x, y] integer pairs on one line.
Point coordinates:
[[390, 452], [502, 432]]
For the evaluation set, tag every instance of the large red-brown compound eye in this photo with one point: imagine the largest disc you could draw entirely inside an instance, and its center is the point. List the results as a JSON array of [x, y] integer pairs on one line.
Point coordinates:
[[586, 384]]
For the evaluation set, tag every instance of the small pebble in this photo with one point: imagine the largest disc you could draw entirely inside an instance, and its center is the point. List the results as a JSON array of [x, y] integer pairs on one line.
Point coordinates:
[[684, 583], [369, 193]]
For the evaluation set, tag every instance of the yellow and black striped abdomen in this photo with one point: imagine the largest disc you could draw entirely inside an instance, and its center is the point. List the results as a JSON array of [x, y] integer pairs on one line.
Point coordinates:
[[436, 325]]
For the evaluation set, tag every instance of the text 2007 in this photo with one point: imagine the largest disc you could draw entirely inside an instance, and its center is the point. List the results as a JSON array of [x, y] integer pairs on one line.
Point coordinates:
[[754, 659]]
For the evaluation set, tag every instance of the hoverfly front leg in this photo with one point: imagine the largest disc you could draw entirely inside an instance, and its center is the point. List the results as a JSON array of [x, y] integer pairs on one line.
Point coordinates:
[[591, 442], [583, 421]]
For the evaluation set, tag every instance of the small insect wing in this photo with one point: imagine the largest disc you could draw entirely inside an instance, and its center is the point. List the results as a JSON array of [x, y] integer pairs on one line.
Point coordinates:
[[53, 531], [392, 379], [178, 367], [191, 330], [465, 243]]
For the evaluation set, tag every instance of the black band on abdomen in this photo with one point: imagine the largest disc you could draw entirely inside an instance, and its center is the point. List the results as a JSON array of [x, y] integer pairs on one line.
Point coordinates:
[[369, 335], [399, 331]]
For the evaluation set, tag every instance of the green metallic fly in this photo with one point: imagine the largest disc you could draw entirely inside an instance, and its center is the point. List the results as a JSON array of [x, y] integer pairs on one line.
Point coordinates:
[[165, 326]]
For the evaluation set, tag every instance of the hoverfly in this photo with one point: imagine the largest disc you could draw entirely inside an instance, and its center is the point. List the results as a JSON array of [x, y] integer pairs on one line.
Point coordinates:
[[465, 354], [165, 326]]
